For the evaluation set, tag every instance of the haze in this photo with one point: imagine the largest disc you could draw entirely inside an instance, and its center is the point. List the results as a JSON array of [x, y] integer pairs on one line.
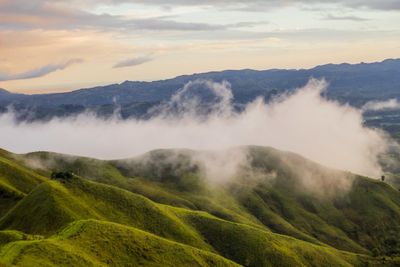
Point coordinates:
[[304, 122]]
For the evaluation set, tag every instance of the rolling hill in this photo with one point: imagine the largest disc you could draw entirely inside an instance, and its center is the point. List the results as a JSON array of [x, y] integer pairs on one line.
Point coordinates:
[[164, 209]]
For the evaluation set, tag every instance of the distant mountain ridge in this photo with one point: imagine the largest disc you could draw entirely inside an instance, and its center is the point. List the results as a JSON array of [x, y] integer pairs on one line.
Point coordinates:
[[355, 84], [4, 91]]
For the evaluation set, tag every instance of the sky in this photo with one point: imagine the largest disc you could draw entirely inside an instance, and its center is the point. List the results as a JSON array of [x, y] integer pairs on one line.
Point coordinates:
[[62, 45]]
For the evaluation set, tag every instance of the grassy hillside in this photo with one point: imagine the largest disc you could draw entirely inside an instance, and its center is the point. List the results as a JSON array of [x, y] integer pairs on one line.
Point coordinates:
[[96, 243], [16, 181], [279, 210]]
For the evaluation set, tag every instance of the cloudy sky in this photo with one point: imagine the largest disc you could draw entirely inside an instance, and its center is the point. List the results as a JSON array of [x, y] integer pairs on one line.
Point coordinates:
[[61, 45]]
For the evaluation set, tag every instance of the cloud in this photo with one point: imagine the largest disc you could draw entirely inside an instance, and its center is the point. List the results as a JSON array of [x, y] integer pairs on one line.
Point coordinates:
[[303, 122], [351, 18], [42, 71], [262, 5], [192, 101], [59, 15], [381, 105], [246, 24], [70, 14], [133, 62]]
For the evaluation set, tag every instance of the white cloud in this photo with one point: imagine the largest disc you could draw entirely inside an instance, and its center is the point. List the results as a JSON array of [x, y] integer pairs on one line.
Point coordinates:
[[381, 105], [303, 122]]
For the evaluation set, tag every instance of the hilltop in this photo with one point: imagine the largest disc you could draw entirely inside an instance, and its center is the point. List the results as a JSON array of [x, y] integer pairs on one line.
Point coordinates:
[[162, 209]]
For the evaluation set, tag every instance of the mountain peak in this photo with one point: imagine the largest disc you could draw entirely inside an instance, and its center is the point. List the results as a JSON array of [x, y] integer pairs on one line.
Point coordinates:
[[4, 91]]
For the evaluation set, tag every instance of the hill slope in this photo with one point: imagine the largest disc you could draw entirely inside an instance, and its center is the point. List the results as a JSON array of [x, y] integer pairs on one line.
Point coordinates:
[[267, 215], [79, 245]]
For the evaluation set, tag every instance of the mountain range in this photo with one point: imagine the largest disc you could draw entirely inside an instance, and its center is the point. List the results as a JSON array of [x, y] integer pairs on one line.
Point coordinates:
[[355, 84]]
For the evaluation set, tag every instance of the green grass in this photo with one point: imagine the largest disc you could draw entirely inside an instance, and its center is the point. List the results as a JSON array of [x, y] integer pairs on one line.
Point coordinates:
[[120, 212], [250, 246], [53, 205], [16, 181], [95, 243], [8, 236]]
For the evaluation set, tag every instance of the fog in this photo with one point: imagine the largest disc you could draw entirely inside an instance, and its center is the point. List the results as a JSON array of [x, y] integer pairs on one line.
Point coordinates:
[[389, 104], [302, 122]]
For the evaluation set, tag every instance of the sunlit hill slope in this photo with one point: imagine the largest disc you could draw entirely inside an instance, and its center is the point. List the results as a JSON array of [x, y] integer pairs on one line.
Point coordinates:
[[164, 209]]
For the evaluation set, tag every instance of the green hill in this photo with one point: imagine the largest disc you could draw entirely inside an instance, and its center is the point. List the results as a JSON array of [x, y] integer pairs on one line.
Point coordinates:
[[16, 181], [96, 243], [160, 209]]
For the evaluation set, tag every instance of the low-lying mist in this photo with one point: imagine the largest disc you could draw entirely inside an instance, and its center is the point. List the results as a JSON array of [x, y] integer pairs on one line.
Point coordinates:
[[303, 122]]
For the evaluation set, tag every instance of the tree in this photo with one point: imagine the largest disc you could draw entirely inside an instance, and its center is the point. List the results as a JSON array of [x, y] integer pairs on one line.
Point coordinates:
[[63, 175]]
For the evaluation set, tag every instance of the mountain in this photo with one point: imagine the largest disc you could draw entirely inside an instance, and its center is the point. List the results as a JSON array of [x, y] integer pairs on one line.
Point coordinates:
[[350, 83], [165, 209], [4, 91]]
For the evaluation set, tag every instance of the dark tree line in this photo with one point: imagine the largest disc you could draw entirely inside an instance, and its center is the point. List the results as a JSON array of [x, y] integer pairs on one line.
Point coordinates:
[[62, 175]]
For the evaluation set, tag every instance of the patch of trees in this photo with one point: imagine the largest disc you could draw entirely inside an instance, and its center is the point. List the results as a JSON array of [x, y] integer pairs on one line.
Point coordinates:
[[62, 175], [7, 194]]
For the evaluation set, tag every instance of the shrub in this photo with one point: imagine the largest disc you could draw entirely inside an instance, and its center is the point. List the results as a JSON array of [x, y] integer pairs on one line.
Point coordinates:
[[64, 175]]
